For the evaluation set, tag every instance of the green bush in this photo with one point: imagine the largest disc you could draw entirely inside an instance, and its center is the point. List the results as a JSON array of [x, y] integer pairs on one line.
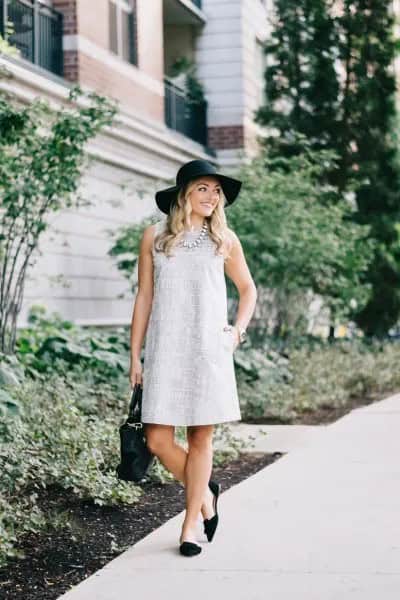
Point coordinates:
[[311, 376], [61, 405], [52, 344], [52, 442]]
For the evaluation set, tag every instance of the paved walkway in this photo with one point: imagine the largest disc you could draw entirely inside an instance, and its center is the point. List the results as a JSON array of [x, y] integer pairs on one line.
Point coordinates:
[[275, 438], [321, 523]]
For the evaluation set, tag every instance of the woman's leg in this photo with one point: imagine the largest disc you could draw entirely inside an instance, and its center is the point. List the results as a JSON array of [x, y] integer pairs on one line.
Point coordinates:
[[197, 474], [161, 442]]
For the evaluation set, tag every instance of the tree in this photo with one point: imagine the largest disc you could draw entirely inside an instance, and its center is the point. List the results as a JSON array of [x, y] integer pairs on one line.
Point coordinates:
[[352, 115], [295, 237], [41, 161], [299, 237], [368, 51], [301, 80]]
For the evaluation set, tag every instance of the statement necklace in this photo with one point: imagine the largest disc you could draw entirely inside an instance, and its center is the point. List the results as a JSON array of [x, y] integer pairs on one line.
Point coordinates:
[[197, 241]]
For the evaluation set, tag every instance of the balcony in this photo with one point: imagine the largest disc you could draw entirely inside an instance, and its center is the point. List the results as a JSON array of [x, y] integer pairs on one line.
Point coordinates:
[[184, 115], [36, 30], [183, 12]]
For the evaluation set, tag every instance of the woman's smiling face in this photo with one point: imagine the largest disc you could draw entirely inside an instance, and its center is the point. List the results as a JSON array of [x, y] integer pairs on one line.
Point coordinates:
[[205, 195]]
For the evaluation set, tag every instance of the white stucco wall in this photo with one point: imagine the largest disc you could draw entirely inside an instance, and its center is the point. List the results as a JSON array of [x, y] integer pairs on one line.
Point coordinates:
[[73, 274], [230, 66], [128, 162]]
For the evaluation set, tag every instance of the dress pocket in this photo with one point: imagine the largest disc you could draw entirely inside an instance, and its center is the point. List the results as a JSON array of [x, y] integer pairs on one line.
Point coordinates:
[[228, 337]]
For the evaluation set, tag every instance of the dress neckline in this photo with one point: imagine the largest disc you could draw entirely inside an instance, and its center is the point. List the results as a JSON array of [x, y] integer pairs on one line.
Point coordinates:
[[195, 231]]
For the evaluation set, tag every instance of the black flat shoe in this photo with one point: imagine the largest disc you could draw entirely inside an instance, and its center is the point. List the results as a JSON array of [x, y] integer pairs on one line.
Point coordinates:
[[189, 549], [210, 525]]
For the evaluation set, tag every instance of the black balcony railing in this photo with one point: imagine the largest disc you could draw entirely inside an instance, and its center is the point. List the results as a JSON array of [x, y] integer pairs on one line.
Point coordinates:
[[184, 115], [36, 30]]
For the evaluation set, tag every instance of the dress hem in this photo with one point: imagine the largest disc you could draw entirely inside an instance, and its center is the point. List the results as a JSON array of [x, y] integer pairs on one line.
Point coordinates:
[[186, 423]]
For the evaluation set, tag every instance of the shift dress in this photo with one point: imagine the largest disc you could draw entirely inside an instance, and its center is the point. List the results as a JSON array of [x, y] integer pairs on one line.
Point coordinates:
[[188, 372]]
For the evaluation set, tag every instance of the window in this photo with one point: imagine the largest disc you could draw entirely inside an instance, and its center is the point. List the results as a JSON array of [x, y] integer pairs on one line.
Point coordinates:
[[122, 23], [36, 30], [260, 67]]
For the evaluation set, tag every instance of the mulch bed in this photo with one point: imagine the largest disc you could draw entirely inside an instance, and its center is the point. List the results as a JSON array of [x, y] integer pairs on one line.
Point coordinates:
[[59, 559], [328, 414], [321, 415]]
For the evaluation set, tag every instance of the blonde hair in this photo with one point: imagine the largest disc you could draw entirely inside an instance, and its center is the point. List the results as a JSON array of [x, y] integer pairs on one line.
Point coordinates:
[[178, 220]]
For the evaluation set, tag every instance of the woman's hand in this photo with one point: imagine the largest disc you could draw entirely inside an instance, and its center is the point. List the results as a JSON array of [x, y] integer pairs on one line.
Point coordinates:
[[136, 372], [235, 332]]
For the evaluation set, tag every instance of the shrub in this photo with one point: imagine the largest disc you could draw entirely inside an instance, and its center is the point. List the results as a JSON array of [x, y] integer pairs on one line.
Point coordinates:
[[42, 155], [324, 374], [52, 442], [61, 408]]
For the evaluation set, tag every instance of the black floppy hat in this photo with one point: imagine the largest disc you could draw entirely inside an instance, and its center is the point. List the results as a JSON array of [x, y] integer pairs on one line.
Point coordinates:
[[191, 170]]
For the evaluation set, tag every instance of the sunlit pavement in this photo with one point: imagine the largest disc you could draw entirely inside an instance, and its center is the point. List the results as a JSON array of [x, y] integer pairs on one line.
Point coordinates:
[[321, 523]]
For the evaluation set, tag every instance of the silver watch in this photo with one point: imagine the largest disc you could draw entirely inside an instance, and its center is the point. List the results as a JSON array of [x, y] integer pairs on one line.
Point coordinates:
[[242, 334]]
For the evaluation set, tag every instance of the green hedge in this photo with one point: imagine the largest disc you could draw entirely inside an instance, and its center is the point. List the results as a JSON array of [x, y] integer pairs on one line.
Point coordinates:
[[62, 400], [51, 441], [64, 395], [312, 374]]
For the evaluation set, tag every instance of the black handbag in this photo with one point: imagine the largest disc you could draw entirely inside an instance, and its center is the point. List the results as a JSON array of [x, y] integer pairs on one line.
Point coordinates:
[[136, 458]]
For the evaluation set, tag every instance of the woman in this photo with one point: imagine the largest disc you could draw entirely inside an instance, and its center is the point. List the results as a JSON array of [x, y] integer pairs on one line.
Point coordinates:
[[188, 376]]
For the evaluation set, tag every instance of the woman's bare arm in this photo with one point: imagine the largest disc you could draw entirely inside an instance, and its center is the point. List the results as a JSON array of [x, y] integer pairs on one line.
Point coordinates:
[[237, 270], [143, 302]]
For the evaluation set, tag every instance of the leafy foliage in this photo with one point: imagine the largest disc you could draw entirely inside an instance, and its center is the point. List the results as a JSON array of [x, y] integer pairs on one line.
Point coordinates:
[[330, 81], [297, 235], [280, 384], [41, 161], [5, 46], [370, 105], [61, 405], [186, 68], [53, 442], [125, 248], [301, 79], [51, 344]]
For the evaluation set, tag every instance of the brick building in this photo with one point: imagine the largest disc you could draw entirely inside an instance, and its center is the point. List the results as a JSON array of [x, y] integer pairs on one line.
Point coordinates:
[[131, 51]]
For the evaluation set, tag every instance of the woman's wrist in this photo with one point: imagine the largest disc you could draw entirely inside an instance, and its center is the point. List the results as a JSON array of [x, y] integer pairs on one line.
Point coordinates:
[[241, 332]]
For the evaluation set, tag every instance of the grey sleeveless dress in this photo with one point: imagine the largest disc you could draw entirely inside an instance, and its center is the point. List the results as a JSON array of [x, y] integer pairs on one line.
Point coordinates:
[[188, 371]]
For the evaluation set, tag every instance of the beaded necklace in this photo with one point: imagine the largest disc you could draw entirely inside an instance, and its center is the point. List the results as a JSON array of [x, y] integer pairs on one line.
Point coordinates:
[[197, 241]]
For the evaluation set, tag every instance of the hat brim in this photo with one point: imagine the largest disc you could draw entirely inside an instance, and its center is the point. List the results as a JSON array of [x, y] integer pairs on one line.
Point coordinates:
[[165, 198], [230, 186]]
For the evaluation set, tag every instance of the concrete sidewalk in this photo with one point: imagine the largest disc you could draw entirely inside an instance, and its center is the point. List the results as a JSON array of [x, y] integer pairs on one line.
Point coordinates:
[[275, 438], [321, 523]]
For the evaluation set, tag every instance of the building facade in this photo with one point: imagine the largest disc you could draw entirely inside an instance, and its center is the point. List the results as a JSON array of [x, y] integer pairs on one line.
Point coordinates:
[[138, 52]]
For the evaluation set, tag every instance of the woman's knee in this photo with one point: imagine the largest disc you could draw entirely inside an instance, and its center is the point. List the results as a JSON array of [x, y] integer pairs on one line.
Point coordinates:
[[200, 437], [159, 438]]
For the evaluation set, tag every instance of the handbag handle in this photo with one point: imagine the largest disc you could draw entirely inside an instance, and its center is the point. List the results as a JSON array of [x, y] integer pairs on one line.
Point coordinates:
[[136, 401]]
